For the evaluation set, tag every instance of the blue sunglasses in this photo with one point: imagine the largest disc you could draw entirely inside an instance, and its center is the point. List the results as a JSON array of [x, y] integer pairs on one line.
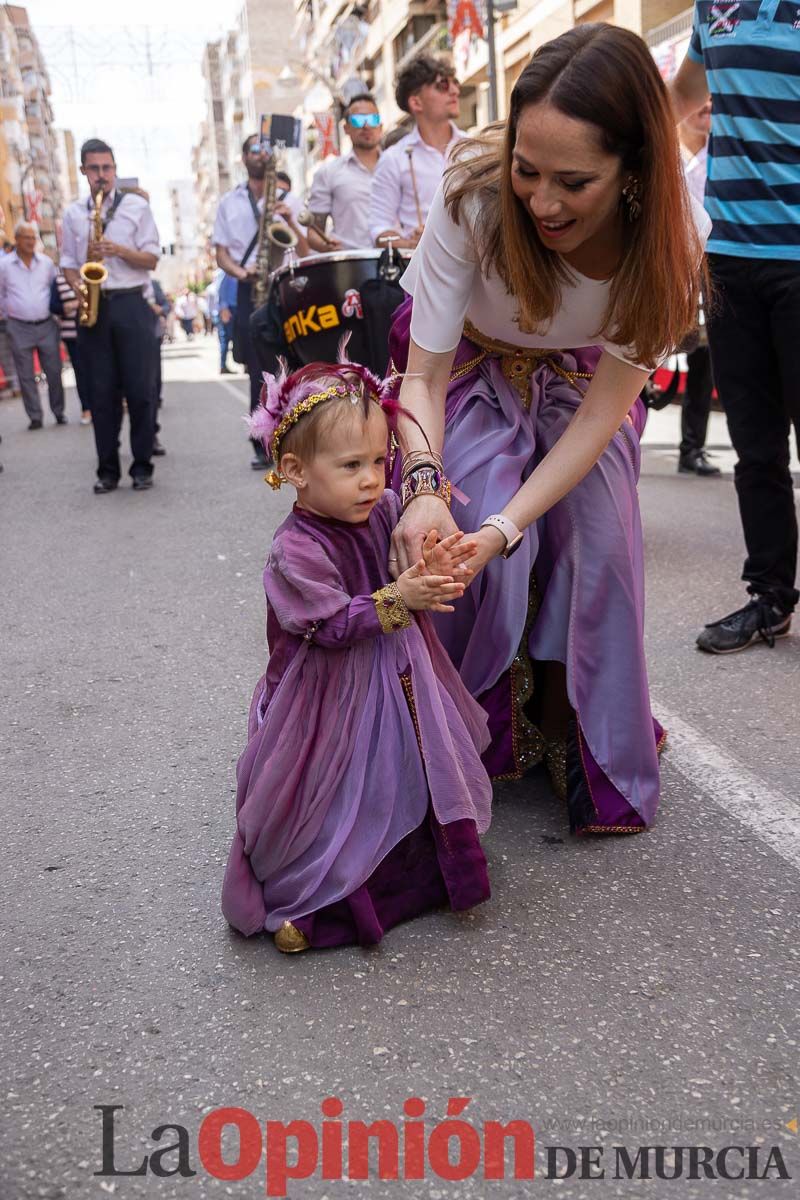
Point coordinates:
[[361, 120]]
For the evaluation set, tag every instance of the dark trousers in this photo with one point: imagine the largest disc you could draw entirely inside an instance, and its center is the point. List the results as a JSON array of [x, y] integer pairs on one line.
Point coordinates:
[[119, 354], [754, 336], [696, 402], [82, 376], [225, 335], [245, 349]]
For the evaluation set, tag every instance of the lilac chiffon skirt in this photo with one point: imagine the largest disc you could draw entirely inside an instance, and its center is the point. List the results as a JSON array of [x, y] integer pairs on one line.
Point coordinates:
[[573, 593]]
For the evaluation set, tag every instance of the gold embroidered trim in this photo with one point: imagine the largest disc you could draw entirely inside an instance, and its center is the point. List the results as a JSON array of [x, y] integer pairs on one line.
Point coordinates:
[[662, 741], [611, 829], [527, 743], [518, 363], [391, 609], [405, 681]]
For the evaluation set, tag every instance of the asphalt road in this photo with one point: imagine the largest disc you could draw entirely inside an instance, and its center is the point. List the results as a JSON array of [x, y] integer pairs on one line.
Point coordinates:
[[630, 992]]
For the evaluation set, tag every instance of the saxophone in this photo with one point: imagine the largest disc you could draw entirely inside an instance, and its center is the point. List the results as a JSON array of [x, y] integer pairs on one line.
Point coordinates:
[[274, 237], [93, 274]]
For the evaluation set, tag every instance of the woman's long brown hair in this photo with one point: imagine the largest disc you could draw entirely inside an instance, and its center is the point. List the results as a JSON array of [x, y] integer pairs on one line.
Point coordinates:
[[605, 76]]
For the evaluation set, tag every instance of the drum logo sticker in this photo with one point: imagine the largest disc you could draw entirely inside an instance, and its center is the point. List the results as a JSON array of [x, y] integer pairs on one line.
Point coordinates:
[[352, 304], [310, 320]]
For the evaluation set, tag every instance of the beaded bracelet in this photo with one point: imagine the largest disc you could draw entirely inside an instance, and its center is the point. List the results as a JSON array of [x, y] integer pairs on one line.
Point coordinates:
[[425, 480]]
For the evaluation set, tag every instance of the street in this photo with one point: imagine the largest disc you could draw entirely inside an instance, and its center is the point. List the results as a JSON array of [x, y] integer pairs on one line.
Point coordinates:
[[625, 992]]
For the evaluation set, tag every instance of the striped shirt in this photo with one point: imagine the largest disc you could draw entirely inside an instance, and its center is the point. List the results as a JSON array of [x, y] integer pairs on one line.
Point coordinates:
[[751, 54]]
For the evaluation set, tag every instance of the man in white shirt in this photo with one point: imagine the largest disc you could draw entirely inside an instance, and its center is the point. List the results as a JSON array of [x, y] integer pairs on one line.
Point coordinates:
[[342, 185], [118, 349], [235, 238], [25, 282], [409, 172]]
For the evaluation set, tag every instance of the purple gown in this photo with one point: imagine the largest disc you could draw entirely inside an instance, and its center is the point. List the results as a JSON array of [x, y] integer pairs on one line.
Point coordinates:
[[361, 791], [573, 592]]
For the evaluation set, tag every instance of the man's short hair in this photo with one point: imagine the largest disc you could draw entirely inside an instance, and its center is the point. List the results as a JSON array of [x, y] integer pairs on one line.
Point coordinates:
[[252, 137], [361, 98], [422, 69], [287, 179], [96, 146], [28, 225]]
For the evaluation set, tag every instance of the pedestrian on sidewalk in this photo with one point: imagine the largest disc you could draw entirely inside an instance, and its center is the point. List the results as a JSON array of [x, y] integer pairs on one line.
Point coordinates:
[[693, 135], [186, 311], [749, 62], [226, 319], [361, 792], [26, 279]]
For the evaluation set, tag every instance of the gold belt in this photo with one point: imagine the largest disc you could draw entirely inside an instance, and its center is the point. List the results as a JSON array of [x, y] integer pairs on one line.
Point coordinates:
[[516, 362]]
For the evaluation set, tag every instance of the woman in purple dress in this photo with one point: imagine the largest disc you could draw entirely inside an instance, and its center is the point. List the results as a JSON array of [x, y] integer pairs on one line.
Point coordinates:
[[361, 792], [558, 265]]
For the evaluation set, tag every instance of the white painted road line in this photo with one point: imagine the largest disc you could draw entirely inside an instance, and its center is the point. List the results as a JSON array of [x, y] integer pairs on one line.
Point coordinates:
[[242, 394], [772, 816]]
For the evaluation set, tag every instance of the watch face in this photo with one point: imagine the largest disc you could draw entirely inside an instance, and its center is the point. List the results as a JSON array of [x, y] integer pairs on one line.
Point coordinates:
[[513, 545]]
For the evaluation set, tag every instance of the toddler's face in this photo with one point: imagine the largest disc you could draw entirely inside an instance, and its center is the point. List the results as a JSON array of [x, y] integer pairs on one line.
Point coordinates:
[[346, 479]]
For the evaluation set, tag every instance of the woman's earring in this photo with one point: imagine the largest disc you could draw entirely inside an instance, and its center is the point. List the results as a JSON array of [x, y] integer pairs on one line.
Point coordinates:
[[632, 193]]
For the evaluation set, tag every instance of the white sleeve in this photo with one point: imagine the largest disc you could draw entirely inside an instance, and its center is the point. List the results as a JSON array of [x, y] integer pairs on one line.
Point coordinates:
[[147, 238], [384, 200], [221, 235], [320, 199], [69, 243], [440, 277]]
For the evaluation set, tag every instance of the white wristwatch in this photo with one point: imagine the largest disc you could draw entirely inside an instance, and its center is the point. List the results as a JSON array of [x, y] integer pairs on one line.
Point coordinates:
[[509, 531]]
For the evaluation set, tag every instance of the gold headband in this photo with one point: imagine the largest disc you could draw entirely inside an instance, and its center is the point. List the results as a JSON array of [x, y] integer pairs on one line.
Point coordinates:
[[274, 477]]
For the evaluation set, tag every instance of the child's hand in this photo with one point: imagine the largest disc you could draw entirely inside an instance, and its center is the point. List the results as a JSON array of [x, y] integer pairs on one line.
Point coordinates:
[[449, 556], [421, 591]]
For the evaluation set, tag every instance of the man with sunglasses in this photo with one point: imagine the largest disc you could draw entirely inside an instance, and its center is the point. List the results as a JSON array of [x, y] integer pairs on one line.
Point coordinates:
[[342, 185], [409, 172]]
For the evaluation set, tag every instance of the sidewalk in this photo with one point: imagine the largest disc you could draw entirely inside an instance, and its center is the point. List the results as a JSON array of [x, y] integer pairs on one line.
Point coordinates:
[[662, 436]]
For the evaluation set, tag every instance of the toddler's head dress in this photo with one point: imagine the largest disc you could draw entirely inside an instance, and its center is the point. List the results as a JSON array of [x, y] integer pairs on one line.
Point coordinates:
[[286, 398]]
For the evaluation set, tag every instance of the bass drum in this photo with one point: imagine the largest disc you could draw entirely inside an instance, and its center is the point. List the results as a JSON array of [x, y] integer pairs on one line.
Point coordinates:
[[324, 297]]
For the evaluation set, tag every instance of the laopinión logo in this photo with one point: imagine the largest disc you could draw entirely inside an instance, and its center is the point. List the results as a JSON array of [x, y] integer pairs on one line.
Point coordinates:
[[453, 1150]]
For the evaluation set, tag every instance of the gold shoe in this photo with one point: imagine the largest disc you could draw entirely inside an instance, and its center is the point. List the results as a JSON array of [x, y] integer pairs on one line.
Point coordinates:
[[555, 757], [291, 940]]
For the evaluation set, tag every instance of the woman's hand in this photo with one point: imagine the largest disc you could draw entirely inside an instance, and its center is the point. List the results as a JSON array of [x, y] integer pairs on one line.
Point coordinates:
[[423, 514], [489, 543]]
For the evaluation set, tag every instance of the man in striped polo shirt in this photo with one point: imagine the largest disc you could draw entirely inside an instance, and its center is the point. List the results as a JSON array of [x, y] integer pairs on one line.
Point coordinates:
[[747, 55]]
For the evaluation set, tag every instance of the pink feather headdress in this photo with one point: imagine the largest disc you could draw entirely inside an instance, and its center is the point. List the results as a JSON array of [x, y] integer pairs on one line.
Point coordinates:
[[286, 398]]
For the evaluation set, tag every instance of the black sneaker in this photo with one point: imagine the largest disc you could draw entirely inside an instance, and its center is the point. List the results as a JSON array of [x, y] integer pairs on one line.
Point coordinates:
[[760, 620], [697, 464]]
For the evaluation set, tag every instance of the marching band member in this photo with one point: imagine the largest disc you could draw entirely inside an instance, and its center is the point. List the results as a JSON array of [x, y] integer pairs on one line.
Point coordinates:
[[342, 185], [117, 349], [235, 236], [409, 172]]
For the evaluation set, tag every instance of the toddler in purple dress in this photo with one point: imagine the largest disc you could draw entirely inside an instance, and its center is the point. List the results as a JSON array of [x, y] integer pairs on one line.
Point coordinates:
[[361, 792]]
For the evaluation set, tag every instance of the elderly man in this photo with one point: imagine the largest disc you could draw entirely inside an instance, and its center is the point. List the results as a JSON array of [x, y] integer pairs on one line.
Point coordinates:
[[25, 281]]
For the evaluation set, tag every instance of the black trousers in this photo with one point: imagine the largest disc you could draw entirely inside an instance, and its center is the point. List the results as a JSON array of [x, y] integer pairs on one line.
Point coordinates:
[[696, 402], [754, 336], [82, 377], [245, 348], [118, 352]]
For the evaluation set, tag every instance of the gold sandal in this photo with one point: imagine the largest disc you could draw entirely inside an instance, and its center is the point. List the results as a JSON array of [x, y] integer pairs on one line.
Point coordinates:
[[555, 757], [291, 940]]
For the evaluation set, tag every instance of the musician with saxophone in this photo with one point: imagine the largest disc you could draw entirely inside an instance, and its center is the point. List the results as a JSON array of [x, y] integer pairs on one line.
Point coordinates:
[[248, 248], [409, 172], [110, 245]]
